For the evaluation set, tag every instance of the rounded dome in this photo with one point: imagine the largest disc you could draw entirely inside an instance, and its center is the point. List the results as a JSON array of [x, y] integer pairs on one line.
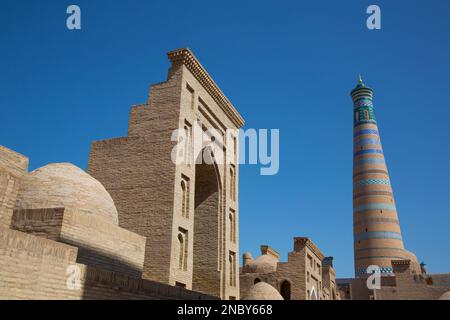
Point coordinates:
[[263, 264], [65, 185], [248, 255], [262, 291], [445, 296]]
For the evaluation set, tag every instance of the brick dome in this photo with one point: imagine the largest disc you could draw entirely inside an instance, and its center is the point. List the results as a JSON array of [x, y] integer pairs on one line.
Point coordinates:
[[65, 185], [262, 291], [262, 264]]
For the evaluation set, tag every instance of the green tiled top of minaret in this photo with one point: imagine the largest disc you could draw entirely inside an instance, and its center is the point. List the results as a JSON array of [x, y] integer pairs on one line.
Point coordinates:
[[361, 91], [363, 107]]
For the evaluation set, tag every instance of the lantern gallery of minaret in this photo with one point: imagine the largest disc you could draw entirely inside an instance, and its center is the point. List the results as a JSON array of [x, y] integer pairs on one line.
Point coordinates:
[[376, 229]]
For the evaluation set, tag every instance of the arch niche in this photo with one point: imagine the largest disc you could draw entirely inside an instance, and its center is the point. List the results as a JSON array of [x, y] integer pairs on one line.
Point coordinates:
[[207, 257], [285, 290]]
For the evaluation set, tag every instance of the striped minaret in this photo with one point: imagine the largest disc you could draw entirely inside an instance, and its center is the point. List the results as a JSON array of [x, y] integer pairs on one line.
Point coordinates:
[[377, 236]]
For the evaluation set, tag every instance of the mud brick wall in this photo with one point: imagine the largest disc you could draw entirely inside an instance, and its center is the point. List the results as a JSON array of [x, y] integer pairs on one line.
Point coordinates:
[[12, 168], [100, 243], [37, 268]]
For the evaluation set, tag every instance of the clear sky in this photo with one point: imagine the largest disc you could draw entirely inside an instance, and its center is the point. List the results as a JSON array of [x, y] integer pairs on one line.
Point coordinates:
[[286, 65]]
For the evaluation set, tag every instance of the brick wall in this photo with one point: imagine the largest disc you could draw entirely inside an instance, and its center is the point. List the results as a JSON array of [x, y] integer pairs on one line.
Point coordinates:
[[12, 168], [100, 243], [138, 173], [145, 184], [37, 268]]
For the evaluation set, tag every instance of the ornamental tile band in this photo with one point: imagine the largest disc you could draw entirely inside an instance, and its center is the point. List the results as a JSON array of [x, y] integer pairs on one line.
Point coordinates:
[[366, 131], [369, 182], [363, 103], [383, 270], [378, 235]]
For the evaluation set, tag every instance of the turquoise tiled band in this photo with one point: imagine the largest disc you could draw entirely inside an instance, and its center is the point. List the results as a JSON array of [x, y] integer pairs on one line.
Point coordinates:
[[383, 270], [368, 182], [366, 131], [363, 103], [368, 151], [367, 141], [378, 235], [369, 161]]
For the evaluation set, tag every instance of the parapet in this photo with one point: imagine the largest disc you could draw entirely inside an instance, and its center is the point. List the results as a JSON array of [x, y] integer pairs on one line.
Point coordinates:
[[401, 266], [301, 242], [13, 166], [100, 242], [267, 250], [185, 57], [327, 262], [12, 160]]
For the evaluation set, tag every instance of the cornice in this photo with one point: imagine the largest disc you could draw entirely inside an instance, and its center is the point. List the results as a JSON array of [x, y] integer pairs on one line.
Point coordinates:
[[185, 57], [304, 241]]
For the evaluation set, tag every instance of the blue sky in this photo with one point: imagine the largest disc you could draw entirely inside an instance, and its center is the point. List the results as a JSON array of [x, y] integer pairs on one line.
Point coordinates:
[[286, 65]]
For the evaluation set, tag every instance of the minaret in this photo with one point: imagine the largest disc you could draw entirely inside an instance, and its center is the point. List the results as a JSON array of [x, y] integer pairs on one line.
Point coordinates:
[[376, 229]]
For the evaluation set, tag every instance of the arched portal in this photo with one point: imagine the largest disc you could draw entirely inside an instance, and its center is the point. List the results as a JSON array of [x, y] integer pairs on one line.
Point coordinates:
[[206, 257], [285, 290]]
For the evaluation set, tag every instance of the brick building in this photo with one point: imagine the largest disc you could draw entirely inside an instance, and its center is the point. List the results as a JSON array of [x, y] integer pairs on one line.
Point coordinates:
[[404, 284], [307, 275], [140, 223]]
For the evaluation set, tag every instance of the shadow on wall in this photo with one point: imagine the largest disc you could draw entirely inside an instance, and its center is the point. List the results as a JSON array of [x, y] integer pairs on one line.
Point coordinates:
[[95, 258]]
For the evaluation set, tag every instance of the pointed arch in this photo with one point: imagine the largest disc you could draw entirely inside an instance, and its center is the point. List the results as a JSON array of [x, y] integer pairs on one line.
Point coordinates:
[[285, 290], [313, 295], [207, 225]]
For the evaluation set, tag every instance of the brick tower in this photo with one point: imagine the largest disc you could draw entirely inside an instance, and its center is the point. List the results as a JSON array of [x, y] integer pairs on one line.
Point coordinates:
[[377, 236]]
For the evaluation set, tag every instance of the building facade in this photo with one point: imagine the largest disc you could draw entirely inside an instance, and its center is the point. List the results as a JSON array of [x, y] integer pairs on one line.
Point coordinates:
[[307, 275], [60, 239], [187, 210]]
